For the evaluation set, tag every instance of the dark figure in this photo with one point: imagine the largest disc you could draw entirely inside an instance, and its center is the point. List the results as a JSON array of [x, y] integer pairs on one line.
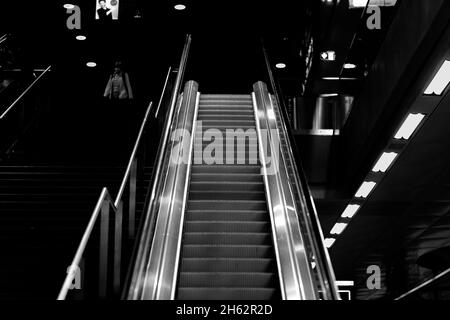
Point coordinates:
[[118, 86]]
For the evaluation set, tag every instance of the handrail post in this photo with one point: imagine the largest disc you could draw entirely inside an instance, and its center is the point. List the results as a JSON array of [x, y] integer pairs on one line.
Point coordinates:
[[104, 235]]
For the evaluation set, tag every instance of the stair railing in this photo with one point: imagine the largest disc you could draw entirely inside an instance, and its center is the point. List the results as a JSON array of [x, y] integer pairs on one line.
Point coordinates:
[[102, 211], [17, 119]]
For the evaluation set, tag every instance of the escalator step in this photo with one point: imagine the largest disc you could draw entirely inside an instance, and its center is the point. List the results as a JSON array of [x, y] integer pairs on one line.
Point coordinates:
[[227, 251], [227, 226], [227, 279], [227, 265], [226, 215], [229, 238], [224, 186], [227, 293], [232, 169], [227, 205], [225, 177], [227, 195]]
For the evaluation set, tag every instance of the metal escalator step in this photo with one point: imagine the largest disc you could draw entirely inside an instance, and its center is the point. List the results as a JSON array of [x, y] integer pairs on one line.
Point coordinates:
[[227, 265], [222, 128], [237, 177], [227, 279], [227, 205], [226, 117], [227, 293], [233, 169], [227, 251], [228, 122], [225, 96], [226, 186], [227, 215], [226, 226], [227, 195], [217, 112], [227, 238], [225, 105]]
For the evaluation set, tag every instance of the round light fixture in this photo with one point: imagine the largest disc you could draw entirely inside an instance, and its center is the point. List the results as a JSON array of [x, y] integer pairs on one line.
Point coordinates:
[[180, 7], [80, 37], [69, 6], [91, 64], [349, 66], [280, 65]]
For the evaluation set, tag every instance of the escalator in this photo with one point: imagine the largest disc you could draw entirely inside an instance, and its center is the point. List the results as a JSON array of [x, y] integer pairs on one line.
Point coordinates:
[[228, 213], [231, 218], [227, 248]]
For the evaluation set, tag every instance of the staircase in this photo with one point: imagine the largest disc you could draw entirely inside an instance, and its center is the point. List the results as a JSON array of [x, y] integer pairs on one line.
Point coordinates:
[[43, 214], [227, 249]]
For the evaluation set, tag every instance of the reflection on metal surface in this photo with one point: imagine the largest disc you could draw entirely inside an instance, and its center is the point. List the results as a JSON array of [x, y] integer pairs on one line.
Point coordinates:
[[293, 264], [159, 275], [143, 283]]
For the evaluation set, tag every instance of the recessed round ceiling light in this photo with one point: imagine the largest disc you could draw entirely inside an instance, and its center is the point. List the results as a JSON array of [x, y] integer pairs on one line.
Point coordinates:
[[91, 64], [180, 7], [69, 6], [80, 37], [349, 66], [280, 65]]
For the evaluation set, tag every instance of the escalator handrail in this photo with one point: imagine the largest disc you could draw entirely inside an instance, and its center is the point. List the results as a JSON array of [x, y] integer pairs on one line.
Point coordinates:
[[24, 93], [310, 211], [163, 92], [157, 174]]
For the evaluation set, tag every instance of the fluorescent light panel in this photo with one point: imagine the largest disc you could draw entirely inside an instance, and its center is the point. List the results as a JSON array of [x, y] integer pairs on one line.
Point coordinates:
[[329, 242], [350, 211], [385, 161], [338, 78], [440, 81], [409, 126], [338, 228], [365, 189], [379, 3], [280, 65], [329, 95]]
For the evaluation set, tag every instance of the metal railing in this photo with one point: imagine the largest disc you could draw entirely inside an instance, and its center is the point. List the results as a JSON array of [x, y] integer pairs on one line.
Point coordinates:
[[308, 214], [3, 38], [102, 210], [424, 285], [22, 115], [24, 93]]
